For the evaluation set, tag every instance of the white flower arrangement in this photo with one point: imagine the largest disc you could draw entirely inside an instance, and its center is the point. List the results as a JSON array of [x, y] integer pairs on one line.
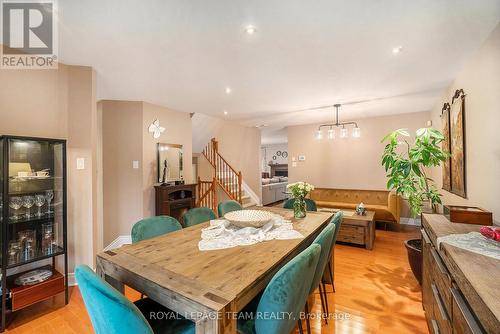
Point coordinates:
[[299, 189]]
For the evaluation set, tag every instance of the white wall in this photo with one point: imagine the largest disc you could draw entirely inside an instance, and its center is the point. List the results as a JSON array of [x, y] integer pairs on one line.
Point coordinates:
[[480, 79], [267, 153], [346, 163]]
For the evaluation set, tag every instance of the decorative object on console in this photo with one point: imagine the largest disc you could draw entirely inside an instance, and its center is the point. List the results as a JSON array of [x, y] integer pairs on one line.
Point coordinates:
[[156, 129], [492, 233], [360, 209], [299, 191], [170, 156], [468, 215], [356, 131], [457, 135]]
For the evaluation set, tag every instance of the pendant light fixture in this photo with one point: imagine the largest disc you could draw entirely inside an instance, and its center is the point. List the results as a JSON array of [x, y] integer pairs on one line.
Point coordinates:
[[343, 132]]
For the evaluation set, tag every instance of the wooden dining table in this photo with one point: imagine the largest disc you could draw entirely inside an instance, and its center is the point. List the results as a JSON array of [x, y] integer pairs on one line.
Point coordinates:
[[208, 287]]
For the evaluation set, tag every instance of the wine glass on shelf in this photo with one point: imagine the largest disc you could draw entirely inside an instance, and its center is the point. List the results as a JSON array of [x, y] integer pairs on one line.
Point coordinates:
[[39, 202], [15, 203], [28, 202], [49, 194]]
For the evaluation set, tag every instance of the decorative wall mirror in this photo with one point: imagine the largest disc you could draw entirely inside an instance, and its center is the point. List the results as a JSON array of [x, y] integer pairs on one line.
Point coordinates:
[[169, 163]]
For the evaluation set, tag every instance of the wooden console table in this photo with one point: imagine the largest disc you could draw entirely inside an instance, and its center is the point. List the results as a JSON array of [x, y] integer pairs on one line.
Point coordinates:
[[459, 288], [356, 229], [174, 200]]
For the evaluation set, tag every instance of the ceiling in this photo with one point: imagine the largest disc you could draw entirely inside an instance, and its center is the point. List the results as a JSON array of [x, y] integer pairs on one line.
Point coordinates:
[[183, 54]]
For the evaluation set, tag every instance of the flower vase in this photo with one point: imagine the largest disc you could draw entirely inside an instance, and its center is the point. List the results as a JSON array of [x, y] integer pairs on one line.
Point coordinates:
[[299, 208]]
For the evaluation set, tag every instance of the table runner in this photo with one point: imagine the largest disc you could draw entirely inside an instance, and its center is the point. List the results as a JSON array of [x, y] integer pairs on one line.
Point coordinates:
[[222, 234], [474, 242]]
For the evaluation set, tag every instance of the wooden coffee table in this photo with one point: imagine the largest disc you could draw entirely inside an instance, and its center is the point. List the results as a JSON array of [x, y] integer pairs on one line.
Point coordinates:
[[356, 229]]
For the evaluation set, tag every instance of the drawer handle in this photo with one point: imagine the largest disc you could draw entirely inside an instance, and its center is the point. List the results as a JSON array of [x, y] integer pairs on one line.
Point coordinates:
[[439, 302], [469, 318], [435, 327], [425, 236], [439, 262]]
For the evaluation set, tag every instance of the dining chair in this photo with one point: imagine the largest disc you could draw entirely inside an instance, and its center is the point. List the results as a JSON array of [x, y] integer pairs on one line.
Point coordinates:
[[310, 204], [197, 216], [285, 295], [112, 313], [228, 206], [328, 276], [324, 239], [151, 227]]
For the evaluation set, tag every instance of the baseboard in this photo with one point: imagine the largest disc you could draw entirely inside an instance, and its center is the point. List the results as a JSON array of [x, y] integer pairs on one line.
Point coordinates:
[[410, 221], [118, 242]]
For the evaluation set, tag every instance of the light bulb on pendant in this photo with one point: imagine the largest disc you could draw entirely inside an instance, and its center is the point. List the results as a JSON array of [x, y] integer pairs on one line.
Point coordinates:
[[319, 134], [331, 134], [343, 133], [356, 132]]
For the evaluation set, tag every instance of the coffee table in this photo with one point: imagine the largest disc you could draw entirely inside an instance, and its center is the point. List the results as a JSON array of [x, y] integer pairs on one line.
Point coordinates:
[[356, 229]]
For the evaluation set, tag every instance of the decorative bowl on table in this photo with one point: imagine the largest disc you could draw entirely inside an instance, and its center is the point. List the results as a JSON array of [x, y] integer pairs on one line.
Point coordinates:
[[249, 218]]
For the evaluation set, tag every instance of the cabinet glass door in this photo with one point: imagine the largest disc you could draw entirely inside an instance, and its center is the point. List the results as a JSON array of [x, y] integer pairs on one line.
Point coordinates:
[[35, 200]]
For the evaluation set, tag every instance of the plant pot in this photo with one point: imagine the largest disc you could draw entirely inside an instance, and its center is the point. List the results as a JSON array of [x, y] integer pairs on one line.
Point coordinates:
[[414, 248]]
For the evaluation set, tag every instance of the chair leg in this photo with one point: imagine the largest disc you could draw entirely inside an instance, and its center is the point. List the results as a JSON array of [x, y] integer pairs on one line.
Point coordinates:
[[326, 303], [321, 295], [331, 274], [301, 331], [308, 322]]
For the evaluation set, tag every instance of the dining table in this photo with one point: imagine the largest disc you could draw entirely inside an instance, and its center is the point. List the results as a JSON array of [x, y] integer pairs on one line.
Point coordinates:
[[207, 287]]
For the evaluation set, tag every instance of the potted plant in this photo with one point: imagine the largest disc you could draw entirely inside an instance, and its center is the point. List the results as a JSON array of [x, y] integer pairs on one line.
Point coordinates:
[[299, 191], [407, 167]]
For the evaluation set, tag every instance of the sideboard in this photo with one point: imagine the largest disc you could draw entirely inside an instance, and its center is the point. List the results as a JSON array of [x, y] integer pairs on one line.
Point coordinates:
[[460, 289]]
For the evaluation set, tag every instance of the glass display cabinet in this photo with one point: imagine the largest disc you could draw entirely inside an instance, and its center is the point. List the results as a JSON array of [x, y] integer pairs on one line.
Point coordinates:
[[33, 221]]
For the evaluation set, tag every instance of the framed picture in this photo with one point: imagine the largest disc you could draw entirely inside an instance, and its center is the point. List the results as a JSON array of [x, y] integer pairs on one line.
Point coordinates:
[[457, 141], [445, 145]]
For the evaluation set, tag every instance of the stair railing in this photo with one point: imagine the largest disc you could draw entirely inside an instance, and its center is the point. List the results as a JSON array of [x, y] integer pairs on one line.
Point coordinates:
[[226, 176], [207, 194]]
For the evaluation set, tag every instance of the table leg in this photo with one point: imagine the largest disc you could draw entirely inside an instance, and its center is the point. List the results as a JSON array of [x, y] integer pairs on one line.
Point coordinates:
[[224, 322], [112, 281], [371, 235]]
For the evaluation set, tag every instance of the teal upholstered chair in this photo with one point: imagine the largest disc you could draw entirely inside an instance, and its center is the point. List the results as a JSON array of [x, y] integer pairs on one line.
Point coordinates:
[[154, 226], [112, 313], [310, 204], [286, 292], [337, 221], [228, 206], [324, 239], [197, 216]]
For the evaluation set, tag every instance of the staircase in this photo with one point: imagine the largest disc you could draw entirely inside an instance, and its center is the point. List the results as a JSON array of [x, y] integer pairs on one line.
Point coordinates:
[[225, 178]]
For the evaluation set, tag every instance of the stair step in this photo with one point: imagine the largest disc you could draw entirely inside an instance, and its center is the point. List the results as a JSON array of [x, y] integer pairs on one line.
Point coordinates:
[[249, 204]]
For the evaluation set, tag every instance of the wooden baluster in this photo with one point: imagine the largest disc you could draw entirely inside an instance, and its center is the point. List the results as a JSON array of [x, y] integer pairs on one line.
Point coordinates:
[[240, 181]]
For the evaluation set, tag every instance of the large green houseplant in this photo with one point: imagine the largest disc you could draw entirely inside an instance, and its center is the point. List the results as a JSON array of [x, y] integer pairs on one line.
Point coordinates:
[[407, 167]]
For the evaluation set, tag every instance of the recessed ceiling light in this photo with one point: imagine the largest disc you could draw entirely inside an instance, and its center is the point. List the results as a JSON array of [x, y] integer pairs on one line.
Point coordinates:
[[261, 126], [225, 112], [250, 29], [397, 49], [228, 90]]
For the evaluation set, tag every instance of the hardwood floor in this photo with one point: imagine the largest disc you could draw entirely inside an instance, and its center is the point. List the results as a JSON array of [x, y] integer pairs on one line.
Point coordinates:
[[375, 293]]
